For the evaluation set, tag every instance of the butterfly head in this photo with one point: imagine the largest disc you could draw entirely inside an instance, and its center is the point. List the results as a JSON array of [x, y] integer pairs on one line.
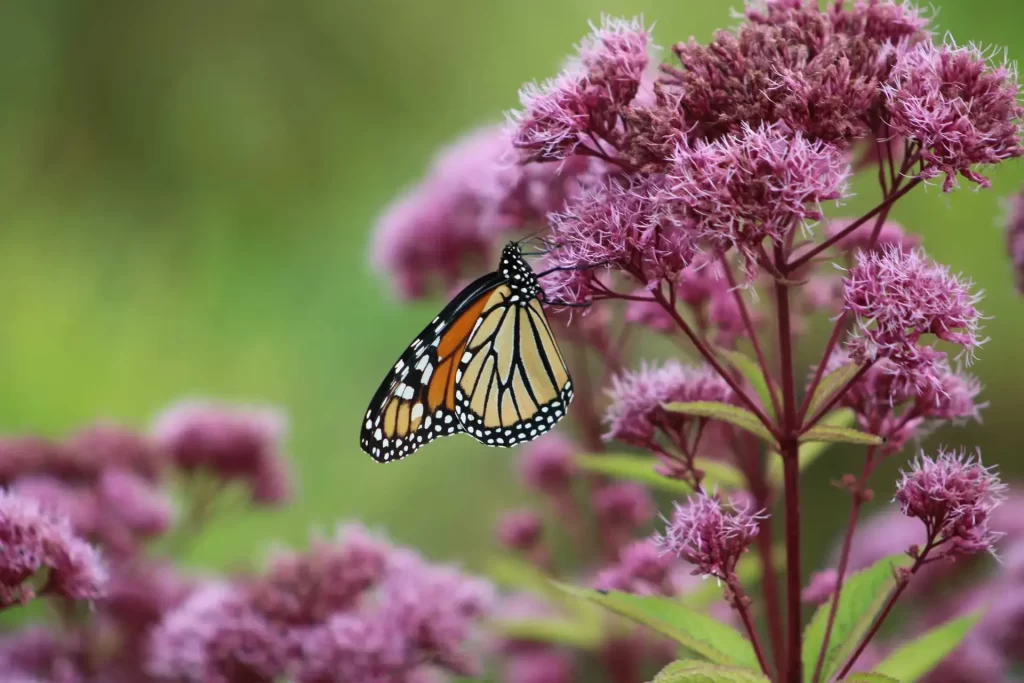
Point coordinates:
[[517, 272]]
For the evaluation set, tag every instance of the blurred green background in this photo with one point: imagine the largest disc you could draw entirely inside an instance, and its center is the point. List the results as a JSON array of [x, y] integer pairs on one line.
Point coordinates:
[[188, 190]]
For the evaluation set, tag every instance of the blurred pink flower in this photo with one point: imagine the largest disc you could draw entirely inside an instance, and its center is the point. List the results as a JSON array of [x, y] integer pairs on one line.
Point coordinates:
[[546, 464], [305, 588], [32, 540], [231, 442], [520, 530], [1015, 236], [214, 637]]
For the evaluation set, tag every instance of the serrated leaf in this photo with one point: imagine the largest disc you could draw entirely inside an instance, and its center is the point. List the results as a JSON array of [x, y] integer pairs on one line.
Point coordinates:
[[696, 631], [835, 434], [640, 468], [734, 415], [830, 384], [811, 450], [694, 671], [915, 659], [571, 633], [751, 370], [871, 678], [863, 595]]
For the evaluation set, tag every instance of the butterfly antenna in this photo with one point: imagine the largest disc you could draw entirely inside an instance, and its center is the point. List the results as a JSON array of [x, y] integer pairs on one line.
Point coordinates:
[[530, 236]]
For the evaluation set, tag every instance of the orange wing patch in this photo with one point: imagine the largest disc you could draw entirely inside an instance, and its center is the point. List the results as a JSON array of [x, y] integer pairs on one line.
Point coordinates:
[[449, 350]]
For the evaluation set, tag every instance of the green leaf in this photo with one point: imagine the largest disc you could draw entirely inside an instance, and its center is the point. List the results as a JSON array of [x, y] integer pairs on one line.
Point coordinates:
[[863, 595], [812, 450], [834, 434], [750, 369], [568, 632], [734, 415], [915, 659], [830, 384], [640, 468], [871, 678], [696, 631], [694, 671], [511, 572]]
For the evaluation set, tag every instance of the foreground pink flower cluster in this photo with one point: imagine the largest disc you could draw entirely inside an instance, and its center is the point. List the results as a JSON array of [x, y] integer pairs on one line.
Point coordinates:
[[702, 200], [90, 519]]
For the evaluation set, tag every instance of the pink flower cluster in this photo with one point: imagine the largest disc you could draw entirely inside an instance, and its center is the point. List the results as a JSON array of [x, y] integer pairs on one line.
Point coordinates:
[[350, 610], [957, 108], [954, 495], [572, 113], [636, 410], [79, 520], [35, 541], [231, 443], [818, 72], [900, 407], [898, 296], [710, 534], [758, 184], [473, 195]]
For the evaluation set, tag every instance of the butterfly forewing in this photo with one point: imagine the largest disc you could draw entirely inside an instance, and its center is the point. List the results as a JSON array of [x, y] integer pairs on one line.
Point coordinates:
[[415, 403]]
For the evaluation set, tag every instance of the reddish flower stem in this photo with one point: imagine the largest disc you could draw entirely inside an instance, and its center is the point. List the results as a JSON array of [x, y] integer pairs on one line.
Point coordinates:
[[901, 586], [752, 333], [819, 373], [882, 206], [742, 605], [789, 447], [770, 593], [765, 548], [844, 559], [713, 361]]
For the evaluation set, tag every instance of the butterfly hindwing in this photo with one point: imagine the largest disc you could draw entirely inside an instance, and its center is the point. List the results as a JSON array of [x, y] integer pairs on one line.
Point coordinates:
[[513, 384]]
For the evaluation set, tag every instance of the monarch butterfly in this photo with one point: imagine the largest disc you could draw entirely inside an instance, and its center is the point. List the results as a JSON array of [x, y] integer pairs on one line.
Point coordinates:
[[487, 365]]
